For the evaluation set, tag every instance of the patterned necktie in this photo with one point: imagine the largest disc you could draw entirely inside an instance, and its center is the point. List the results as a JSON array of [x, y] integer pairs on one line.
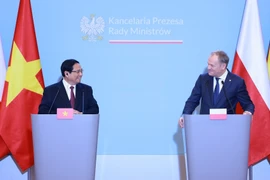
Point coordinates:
[[216, 91], [72, 97]]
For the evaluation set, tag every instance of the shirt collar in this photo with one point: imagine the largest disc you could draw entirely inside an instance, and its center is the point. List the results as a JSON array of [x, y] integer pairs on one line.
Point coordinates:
[[223, 76], [67, 85]]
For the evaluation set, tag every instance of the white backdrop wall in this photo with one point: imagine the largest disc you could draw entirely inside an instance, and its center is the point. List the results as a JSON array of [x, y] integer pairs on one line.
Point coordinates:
[[141, 88]]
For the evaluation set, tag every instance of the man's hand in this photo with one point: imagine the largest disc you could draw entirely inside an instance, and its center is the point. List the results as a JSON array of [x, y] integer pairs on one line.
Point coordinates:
[[247, 113], [76, 112], [181, 122]]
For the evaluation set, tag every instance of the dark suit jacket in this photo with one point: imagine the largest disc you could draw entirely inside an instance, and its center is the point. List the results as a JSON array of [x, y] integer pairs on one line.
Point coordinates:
[[84, 98], [234, 88]]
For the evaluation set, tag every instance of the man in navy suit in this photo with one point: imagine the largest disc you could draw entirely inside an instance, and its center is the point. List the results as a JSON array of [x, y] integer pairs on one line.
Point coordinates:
[[69, 92], [230, 89]]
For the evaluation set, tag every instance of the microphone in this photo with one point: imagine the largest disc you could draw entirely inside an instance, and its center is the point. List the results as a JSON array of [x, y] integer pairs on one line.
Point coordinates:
[[53, 101], [227, 97], [82, 101]]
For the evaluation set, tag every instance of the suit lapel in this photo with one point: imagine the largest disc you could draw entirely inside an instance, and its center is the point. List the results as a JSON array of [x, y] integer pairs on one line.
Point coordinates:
[[226, 86], [63, 95], [78, 101], [210, 88], [211, 92]]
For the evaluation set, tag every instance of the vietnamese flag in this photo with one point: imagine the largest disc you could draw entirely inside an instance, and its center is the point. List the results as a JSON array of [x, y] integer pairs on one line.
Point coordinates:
[[250, 64], [2, 70], [22, 90], [3, 147]]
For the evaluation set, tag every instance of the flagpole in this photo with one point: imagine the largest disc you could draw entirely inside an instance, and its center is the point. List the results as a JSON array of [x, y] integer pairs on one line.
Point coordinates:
[[29, 174], [250, 172]]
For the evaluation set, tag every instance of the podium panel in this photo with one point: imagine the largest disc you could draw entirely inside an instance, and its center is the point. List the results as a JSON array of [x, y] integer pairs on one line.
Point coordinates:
[[217, 149], [64, 149]]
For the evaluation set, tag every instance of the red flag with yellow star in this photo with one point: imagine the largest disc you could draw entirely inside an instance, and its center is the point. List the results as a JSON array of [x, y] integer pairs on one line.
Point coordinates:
[[3, 148], [22, 90]]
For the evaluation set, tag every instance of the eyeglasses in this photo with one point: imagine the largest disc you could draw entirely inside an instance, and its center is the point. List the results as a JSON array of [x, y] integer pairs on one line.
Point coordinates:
[[78, 71]]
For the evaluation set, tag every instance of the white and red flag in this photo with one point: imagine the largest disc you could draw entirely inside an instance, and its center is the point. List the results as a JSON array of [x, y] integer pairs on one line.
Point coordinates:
[[250, 64]]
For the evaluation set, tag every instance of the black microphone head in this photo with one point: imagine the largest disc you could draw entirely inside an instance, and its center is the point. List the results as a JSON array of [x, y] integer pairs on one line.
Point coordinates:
[[222, 82]]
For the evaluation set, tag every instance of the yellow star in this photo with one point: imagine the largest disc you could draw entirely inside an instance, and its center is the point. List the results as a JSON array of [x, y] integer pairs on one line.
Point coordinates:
[[65, 113], [22, 75]]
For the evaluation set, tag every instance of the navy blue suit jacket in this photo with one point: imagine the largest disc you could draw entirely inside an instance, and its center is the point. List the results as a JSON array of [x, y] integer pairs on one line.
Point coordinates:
[[55, 96], [234, 88]]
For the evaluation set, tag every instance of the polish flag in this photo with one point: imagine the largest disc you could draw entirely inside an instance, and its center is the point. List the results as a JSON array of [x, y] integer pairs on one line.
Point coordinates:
[[250, 64], [268, 67]]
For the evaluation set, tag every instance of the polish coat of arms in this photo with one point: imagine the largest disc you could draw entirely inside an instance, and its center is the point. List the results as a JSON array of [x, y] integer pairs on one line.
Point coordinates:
[[92, 28]]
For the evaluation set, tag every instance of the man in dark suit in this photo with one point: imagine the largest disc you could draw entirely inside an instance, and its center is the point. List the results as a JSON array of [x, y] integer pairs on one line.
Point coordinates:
[[219, 88], [69, 92]]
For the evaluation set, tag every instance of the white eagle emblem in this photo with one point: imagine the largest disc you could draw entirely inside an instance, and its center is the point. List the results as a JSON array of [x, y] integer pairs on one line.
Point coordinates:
[[93, 29]]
